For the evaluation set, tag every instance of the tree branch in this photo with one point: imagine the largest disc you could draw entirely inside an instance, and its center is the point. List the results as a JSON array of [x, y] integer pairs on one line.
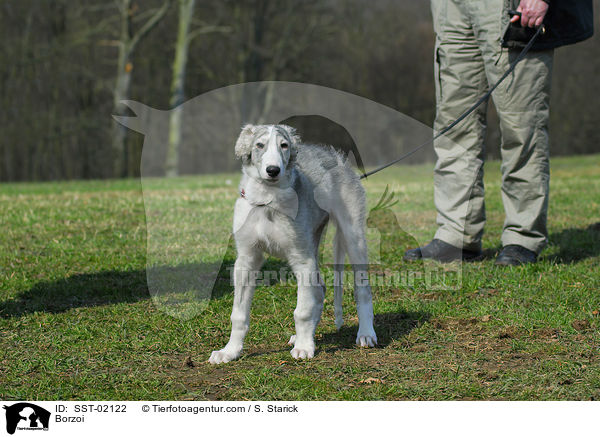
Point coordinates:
[[209, 29], [150, 24]]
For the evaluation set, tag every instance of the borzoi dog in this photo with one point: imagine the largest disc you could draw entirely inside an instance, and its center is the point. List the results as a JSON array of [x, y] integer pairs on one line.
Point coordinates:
[[288, 193]]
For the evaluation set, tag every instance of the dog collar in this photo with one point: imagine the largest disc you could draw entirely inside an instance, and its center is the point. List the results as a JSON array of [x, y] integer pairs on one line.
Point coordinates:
[[243, 196]]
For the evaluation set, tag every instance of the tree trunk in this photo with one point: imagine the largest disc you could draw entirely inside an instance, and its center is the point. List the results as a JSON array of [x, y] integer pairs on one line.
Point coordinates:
[[128, 41], [186, 12], [119, 132]]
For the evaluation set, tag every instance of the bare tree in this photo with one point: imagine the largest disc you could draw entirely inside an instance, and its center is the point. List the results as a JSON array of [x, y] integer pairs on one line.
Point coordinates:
[[128, 42], [184, 37], [186, 13], [273, 37]]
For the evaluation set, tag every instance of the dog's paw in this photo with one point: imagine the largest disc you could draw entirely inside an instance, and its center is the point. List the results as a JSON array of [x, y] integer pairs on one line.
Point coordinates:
[[366, 340], [304, 353], [339, 322], [223, 356], [292, 340]]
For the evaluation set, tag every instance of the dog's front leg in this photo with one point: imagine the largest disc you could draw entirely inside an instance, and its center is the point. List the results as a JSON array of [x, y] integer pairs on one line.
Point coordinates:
[[308, 309], [245, 282]]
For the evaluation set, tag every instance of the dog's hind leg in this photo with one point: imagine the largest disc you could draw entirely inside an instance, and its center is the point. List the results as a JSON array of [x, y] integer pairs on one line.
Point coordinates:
[[355, 243], [339, 257], [246, 265]]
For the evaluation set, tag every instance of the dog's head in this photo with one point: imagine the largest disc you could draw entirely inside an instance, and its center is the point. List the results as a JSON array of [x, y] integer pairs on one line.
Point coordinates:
[[267, 151]]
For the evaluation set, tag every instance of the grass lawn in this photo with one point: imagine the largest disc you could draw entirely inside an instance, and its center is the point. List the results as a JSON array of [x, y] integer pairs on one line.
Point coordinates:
[[78, 322]]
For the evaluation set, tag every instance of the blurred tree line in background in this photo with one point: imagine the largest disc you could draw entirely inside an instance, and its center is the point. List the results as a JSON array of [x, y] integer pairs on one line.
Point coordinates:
[[64, 65]]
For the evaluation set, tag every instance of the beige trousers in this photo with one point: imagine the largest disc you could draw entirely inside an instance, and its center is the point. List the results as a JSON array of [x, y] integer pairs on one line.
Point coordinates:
[[468, 59]]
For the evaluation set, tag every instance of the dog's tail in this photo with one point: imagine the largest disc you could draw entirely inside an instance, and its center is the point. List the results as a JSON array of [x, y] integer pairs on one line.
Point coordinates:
[[339, 257]]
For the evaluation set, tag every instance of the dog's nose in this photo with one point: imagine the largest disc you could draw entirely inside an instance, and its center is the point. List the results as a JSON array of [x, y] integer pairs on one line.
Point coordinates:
[[273, 170]]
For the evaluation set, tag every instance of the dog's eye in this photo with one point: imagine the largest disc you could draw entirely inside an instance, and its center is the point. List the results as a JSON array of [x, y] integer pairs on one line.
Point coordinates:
[[260, 145], [284, 145]]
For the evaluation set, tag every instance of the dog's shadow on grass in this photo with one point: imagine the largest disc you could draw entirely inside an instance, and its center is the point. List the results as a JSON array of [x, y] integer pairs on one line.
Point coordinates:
[[389, 327], [82, 290], [112, 287], [109, 288]]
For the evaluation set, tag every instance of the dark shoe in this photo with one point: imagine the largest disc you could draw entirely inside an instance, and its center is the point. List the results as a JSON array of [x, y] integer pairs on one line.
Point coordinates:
[[441, 251], [515, 255]]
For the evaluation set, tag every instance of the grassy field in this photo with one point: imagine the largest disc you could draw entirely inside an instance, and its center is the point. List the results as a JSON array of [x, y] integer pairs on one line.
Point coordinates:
[[78, 321]]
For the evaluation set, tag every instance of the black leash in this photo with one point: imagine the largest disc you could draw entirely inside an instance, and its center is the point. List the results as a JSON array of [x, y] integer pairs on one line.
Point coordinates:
[[485, 97]]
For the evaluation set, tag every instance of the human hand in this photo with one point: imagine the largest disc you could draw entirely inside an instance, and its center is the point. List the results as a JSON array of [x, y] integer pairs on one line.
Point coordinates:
[[532, 13]]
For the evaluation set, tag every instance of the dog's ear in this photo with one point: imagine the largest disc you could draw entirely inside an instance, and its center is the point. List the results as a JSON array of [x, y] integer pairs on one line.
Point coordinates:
[[294, 141], [243, 145], [294, 137]]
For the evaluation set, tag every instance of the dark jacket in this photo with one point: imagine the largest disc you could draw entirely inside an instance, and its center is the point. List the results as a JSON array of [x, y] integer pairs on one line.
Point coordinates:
[[566, 22]]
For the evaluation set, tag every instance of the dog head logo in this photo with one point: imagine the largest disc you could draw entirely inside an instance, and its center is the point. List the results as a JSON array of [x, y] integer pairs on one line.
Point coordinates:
[[26, 416], [187, 241]]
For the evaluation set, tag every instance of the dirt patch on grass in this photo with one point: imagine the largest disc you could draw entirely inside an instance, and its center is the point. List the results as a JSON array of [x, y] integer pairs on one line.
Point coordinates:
[[546, 334], [581, 325], [487, 292], [200, 380], [419, 353]]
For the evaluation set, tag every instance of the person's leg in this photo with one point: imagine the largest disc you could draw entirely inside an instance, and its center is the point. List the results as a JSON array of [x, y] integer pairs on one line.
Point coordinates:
[[460, 81], [522, 102]]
